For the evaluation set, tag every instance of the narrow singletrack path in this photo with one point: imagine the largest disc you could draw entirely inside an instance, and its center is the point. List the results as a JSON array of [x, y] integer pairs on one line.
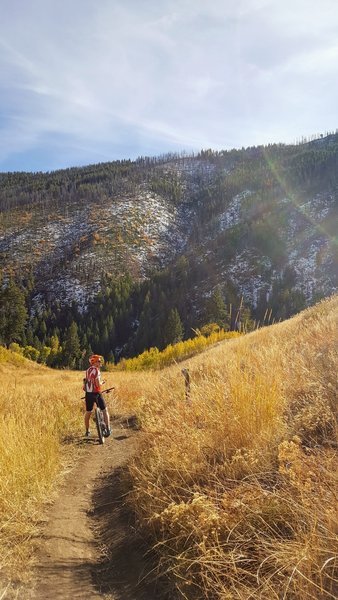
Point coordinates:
[[89, 548]]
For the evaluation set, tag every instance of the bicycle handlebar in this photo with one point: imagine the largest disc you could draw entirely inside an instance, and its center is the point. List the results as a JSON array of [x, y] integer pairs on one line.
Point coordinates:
[[103, 392]]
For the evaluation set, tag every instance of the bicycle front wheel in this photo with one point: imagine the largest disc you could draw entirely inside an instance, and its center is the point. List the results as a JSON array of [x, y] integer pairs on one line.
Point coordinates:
[[98, 419]]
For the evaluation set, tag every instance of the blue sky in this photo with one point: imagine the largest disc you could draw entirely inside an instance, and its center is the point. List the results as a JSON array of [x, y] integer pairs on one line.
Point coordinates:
[[87, 81]]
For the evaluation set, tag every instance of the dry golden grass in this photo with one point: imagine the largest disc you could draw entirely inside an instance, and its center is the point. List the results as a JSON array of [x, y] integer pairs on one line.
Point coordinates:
[[237, 492], [41, 427], [39, 410]]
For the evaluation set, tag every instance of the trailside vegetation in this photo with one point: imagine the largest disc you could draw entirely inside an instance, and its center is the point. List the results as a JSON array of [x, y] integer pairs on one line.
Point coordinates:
[[39, 411], [235, 490], [154, 359]]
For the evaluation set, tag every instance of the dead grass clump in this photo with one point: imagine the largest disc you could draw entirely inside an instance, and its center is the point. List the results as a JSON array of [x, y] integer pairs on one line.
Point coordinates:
[[313, 420]]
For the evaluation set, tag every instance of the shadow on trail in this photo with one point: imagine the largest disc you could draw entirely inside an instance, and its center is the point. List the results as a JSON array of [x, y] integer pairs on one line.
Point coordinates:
[[66, 573], [81, 441], [124, 572]]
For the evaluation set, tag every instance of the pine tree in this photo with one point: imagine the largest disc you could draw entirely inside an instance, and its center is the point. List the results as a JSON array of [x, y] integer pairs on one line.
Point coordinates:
[[105, 340], [29, 336], [215, 310], [173, 330], [54, 343], [71, 347], [42, 330], [13, 313], [143, 339]]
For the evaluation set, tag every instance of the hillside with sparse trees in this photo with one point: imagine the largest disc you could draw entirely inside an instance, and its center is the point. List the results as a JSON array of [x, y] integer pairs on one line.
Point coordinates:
[[124, 256]]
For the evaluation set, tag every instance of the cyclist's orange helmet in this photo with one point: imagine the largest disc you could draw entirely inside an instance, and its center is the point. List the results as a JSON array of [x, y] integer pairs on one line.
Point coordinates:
[[94, 358]]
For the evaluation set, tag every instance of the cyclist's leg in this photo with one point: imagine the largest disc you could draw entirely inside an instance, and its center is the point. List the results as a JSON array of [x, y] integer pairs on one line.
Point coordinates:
[[89, 407], [87, 419]]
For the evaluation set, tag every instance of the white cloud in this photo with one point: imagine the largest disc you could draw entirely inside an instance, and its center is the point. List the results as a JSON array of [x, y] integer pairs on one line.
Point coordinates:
[[146, 77]]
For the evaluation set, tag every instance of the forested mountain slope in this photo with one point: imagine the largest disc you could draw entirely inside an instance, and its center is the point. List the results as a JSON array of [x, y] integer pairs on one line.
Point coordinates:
[[120, 248]]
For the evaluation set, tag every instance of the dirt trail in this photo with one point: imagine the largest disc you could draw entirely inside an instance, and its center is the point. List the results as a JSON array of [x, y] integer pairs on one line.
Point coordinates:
[[89, 548]]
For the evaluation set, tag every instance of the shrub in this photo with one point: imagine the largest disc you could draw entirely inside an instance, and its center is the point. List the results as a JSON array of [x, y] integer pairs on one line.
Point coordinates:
[[154, 359], [31, 353]]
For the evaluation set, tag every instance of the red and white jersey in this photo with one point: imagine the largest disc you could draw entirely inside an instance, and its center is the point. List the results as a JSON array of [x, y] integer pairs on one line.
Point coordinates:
[[93, 380]]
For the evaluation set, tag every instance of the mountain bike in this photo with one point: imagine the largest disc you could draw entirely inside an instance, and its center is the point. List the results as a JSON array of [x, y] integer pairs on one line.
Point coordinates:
[[100, 425], [99, 419]]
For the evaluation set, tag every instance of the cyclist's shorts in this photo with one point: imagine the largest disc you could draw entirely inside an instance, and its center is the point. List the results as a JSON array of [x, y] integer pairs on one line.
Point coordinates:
[[94, 397]]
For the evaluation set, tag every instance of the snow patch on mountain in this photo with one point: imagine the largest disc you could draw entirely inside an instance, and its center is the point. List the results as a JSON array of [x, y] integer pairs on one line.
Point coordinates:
[[232, 215], [245, 275], [307, 263], [318, 207], [67, 289], [308, 245]]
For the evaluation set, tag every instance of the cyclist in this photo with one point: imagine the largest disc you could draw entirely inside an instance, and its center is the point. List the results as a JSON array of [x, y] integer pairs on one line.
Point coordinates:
[[92, 386]]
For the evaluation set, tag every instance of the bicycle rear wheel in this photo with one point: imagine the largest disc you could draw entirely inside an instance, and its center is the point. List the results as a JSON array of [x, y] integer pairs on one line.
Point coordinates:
[[99, 427]]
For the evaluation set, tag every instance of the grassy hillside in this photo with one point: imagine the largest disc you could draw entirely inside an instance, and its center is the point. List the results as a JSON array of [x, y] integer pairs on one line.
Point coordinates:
[[234, 491]]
